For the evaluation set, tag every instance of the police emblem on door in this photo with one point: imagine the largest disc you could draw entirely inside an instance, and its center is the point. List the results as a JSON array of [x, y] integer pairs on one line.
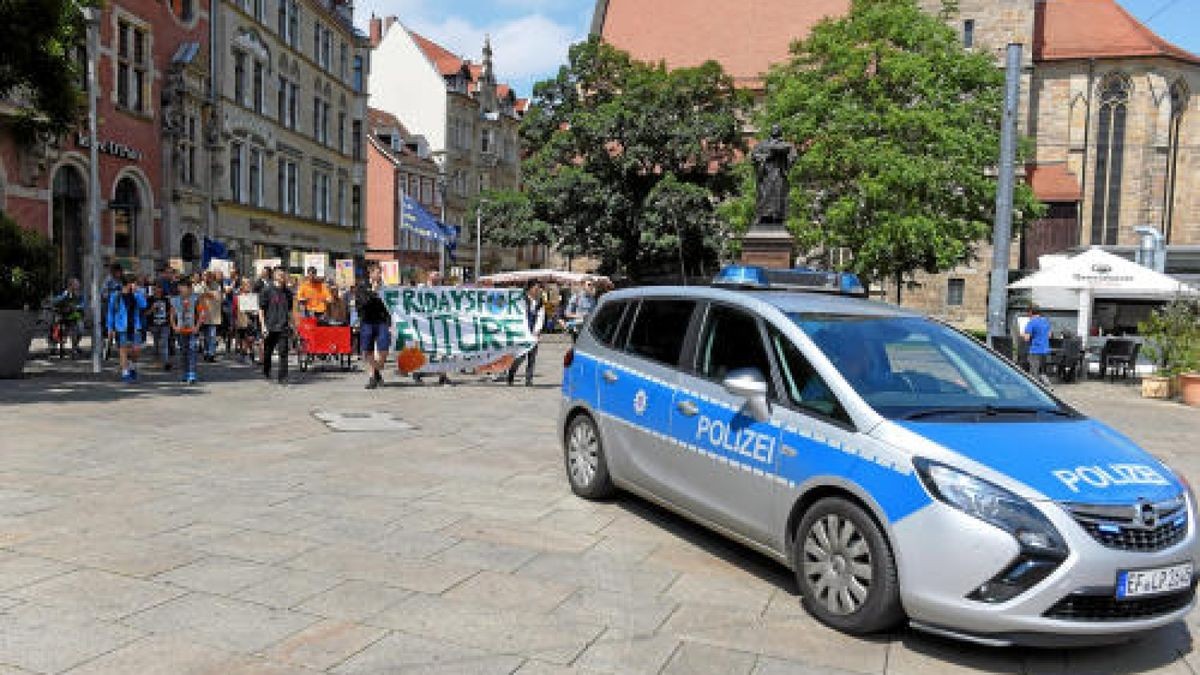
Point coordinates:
[[640, 401]]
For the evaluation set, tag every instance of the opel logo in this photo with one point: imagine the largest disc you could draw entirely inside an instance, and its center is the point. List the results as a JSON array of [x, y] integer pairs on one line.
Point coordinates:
[[1145, 515]]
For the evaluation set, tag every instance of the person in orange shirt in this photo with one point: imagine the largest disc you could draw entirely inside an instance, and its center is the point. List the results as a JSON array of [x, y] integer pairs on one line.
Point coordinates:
[[314, 295]]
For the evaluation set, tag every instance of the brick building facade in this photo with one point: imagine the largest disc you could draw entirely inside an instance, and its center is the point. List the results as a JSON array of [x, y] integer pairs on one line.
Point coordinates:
[[152, 76], [399, 164]]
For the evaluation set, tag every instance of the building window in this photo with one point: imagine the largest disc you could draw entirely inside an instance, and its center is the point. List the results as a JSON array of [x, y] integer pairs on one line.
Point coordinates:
[[326, 48], [239, 78], [1110, 155], [356, 206], [258, 87], [316, 132], [954, 291], [356, 140], [184, 10], [289, 21], [256, 191], [341, 129], [358, 74], [281, 99], [969, 33], [325, 122], [293, 188], [341, 202], [133, 58], [293, 94], [258, 10], [187, 169], [235, 172], [1179, 104], [126, 207], [342, 60]]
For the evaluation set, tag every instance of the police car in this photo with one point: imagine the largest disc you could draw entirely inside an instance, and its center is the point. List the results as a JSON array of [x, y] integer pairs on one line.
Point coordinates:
[[900, 468]]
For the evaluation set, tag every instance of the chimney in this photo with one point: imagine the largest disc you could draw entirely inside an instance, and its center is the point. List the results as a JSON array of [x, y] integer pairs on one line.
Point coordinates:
[[387, 24], [376, 31]]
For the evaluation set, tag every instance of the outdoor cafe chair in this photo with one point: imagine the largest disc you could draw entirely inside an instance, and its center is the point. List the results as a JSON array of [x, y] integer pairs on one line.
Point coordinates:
[[1121, 358]]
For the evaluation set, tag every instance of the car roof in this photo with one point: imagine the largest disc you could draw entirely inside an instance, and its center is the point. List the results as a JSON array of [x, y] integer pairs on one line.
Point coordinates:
[[786, 301]]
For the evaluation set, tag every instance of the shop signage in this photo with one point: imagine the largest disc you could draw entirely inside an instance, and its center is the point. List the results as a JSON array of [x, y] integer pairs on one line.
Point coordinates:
[[110, 148], [446, 329]]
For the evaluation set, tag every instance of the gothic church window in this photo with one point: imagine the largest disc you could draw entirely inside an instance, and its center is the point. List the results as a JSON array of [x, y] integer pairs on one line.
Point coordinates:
[[1110, 154], [1179, 104]]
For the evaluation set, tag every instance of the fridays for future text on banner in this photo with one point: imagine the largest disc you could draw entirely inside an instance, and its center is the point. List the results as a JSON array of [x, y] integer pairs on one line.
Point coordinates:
[[448, 328]]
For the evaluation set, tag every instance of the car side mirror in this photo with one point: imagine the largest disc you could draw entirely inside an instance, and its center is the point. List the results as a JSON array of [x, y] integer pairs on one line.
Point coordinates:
[[749, 383]]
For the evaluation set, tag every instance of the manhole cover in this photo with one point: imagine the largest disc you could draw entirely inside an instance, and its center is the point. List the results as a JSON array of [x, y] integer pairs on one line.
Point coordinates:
[[362, 421]]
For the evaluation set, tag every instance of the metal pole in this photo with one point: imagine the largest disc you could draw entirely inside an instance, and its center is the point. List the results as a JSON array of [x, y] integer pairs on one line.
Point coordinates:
[[478, 239], [92, 16], [442, 244], [1002, 231]]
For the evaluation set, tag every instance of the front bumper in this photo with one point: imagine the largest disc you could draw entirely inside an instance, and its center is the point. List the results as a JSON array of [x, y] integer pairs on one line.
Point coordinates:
[[943, 555]]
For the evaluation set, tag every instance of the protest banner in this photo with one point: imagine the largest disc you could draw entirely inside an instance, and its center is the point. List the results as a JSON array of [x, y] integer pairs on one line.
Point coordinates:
[[391, 272], [344, 273], [450, 328], [265, 262], [225, 267], [317, 260]]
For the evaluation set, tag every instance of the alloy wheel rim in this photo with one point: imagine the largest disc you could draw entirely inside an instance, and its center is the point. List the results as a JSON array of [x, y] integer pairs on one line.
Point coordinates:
[[837, 564], [583, 454]]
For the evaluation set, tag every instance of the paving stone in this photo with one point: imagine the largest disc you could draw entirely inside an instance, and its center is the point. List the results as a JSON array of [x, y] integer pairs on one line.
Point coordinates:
[[631, 614], [18, 570], [98, 594], [720, 590], [699, 659], [366, 565], [636, 655], [221, 622], [44, 639], [163, 655], [121, 556], [400, 651], [217, 575], [503, 591], [691, 616], [261, 547], [287, 588], [771, 666], [354, 600], [325, 644], [801, 640], [600, 571], [486, 555], [544, 636]]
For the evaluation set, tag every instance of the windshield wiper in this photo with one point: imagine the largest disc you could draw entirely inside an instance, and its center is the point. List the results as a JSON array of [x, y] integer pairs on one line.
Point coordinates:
[[986, 410]]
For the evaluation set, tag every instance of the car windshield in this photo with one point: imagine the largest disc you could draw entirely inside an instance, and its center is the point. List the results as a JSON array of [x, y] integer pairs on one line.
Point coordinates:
[[917, 369]]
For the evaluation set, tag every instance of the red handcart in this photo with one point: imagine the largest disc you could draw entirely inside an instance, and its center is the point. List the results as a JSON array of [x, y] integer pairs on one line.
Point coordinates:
[[314, 341]]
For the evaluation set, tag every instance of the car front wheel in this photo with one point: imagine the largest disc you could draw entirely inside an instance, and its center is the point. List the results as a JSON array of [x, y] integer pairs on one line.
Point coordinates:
[[845, 568]]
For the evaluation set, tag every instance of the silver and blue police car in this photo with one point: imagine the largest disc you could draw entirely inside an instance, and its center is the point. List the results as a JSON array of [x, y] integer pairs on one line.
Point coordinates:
[[902, 470]]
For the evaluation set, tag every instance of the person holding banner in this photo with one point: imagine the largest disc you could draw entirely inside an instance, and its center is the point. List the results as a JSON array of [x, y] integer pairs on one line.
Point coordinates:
[[535, 318], [375, 327]]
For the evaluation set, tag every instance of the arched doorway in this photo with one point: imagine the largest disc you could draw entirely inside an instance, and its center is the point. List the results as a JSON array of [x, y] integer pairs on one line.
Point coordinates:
[[127, 210], [70, 200]]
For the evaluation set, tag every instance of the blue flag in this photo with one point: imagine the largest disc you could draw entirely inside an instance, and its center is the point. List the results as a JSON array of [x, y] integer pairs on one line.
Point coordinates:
[[418, 221], [212, 249]]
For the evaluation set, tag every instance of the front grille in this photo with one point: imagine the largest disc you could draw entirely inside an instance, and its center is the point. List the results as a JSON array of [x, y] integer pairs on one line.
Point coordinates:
[[1119, 527], [1089, 607]]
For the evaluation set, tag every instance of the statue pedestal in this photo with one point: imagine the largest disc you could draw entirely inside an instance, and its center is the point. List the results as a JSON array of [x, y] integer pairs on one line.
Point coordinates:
[[767, 246]]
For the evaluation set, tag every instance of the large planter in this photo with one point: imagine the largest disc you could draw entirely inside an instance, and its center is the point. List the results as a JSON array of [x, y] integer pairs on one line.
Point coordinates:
[[1157, 386], [1189, 388], [16, 332]]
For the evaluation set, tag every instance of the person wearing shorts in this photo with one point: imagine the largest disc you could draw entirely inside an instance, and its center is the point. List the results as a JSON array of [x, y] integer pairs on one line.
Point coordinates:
[[375, 327], [126, 307]]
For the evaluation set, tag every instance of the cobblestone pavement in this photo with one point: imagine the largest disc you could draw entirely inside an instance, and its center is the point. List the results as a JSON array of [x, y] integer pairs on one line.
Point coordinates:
[[226, 528]]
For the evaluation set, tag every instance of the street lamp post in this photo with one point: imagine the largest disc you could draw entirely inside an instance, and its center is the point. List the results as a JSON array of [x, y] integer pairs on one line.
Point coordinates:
[[442, 218], [478, 238], [92, 16]]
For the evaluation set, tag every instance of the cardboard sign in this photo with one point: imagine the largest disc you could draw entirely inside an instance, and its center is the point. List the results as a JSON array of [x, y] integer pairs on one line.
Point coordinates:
[[265, 262], [450, 328], [391, 272], [344, 273], [317, 260], [247, 302], [225, 267]]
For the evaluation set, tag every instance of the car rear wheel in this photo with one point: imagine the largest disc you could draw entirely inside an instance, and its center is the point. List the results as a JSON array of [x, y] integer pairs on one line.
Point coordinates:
[[845, 568], [587, 469]]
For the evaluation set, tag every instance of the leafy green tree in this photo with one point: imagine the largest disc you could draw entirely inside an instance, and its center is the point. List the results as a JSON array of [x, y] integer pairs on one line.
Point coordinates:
[[899, 132], [40, 45], [623, 159]]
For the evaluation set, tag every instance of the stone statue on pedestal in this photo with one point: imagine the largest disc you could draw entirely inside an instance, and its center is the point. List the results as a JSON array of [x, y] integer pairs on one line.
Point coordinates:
[[773, 159]]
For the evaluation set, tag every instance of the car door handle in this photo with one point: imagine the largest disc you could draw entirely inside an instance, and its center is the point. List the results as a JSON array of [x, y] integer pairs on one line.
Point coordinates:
[[688, 408], [610, 376]]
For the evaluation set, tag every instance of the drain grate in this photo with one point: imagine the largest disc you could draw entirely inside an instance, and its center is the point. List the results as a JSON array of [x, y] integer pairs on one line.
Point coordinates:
[[362, 421]]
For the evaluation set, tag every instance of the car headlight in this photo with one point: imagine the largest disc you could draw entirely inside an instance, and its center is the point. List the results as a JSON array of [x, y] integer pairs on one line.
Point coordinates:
[[1042, 547]]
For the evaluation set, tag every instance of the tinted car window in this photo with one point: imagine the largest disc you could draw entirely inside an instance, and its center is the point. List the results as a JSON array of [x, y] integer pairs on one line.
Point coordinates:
[[803, 386], [659, 330], [730, 340], [606, 322]]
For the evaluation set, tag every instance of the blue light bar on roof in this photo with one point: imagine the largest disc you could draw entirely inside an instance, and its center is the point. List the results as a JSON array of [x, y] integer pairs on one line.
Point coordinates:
[[796, 279], [742, 276]]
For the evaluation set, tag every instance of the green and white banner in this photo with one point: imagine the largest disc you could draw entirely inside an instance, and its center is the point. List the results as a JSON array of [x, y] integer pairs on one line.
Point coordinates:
[[450, 328]]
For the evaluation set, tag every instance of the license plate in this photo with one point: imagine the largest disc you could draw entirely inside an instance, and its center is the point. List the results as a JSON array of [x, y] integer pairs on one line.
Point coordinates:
[[1138, 583]]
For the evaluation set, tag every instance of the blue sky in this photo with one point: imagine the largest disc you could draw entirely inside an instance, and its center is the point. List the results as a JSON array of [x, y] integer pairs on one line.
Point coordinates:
[[531, 37]]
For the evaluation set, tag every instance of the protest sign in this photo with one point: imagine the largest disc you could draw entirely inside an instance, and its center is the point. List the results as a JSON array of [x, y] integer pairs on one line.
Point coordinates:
[[247, 302], [344, 273], [317, 260], [265, 262], [449, 328], [225, 267], [391, 272]]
